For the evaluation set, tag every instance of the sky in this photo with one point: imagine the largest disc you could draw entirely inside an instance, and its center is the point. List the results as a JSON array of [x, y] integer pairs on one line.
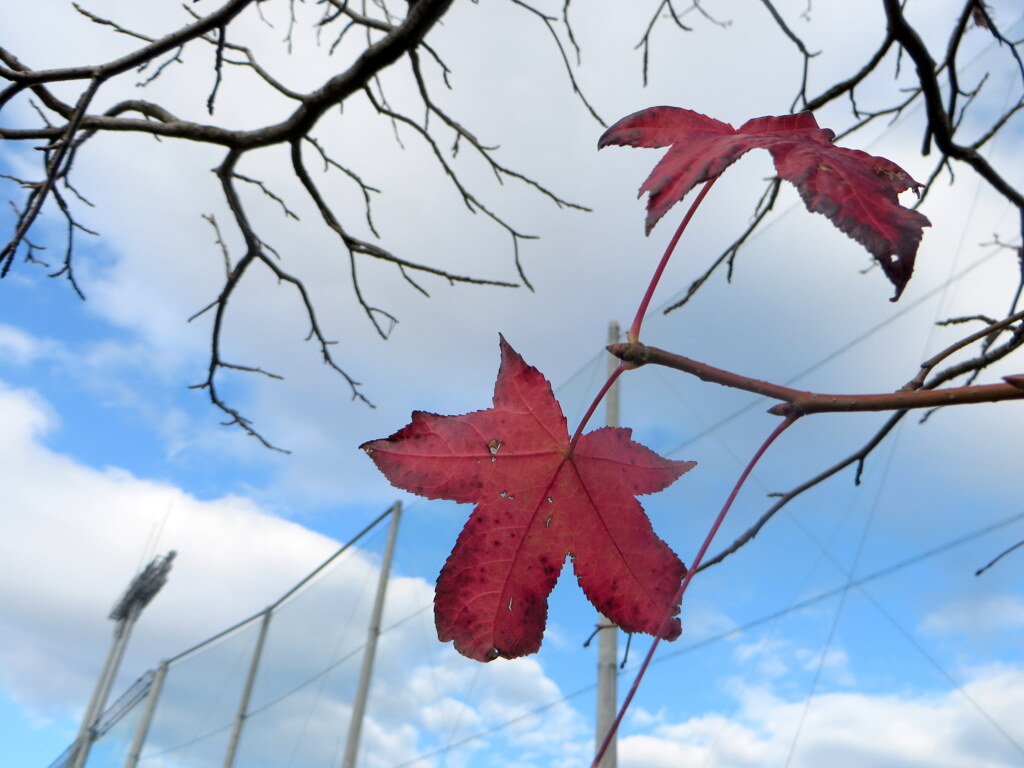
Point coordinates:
[[851, 629]]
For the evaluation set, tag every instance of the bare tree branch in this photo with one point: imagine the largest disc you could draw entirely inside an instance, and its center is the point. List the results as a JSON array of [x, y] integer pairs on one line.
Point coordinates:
[[68, 127], [389, 39], [859, 456]]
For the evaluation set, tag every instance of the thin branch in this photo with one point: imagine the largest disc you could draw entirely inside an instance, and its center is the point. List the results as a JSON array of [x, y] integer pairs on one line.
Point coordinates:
[[847, 86], [221, 44], [365, 188], [859, 456], [807, 55], [219, 241], [803, 403], [498, 169], [288, 212], [939, 121], [113, 25], [645, 41], [470, 201], [998, 557], [547, 21], [368, 249], [993, 326], [764, 205], [54, 169], [137, 58], [225, 173], [218, 67]]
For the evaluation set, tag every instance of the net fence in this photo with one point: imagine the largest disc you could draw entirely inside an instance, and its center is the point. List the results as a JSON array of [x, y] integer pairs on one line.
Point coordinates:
[[278, 689]]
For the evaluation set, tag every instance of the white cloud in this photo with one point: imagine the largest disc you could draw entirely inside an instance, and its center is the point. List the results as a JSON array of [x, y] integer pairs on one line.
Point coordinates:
[[18, 347], [834, 662], [773, 658], [74, 536], [976, 615], [847, 730]]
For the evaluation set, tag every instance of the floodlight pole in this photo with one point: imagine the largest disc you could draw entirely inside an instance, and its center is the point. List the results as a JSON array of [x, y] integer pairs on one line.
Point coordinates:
[[608, 633], [142, 589]]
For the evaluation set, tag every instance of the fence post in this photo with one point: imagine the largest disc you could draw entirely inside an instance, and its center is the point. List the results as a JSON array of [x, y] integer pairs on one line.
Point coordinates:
[[243, 704], [363, 688], [142, 729]]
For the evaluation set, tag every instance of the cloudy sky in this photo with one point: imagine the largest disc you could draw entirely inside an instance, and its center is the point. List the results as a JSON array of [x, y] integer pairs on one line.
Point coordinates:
[[853, 628]]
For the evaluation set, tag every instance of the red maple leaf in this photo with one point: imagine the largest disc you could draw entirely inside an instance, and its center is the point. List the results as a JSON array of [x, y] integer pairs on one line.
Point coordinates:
[[857, 191], [536, 503]]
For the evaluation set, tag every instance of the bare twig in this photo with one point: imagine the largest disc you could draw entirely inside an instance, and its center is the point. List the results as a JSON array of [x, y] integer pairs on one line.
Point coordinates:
[[803, 403], [547, 21], [801, 95], [392, 38], [764, 205], [859, 456]]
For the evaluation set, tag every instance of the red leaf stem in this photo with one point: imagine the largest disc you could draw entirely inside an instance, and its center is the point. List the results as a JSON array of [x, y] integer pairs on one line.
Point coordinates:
[[634, 331], [698, 558]]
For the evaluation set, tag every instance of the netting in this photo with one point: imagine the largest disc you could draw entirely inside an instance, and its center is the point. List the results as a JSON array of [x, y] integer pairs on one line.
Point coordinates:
[[273, 690]]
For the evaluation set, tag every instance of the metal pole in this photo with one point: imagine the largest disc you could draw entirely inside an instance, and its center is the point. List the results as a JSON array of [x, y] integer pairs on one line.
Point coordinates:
[[87, 733], [243, 704], [89, 718], [140, 592], [142, 729], [608, 633], [363, 688]]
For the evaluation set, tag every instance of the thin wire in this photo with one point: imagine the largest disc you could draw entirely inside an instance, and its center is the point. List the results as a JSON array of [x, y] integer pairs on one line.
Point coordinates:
[[825, 553], [946, 674], [322, 675], [595, 374], [462, 710], [872, 512], [187, 745], [153, 539], [828, 594], [250, 647]]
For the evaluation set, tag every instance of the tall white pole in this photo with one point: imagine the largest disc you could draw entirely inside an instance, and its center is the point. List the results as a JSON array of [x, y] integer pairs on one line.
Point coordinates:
[[608, 633], [363, 688], [243, 702], [142, 730], [87, 733]]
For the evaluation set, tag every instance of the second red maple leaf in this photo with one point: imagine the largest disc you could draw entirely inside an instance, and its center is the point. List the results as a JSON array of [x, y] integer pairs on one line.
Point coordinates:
[[858, 192], [537, 502]]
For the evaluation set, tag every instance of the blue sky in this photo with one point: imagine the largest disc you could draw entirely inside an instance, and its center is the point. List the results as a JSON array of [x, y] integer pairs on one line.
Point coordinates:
[[108, 457]]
